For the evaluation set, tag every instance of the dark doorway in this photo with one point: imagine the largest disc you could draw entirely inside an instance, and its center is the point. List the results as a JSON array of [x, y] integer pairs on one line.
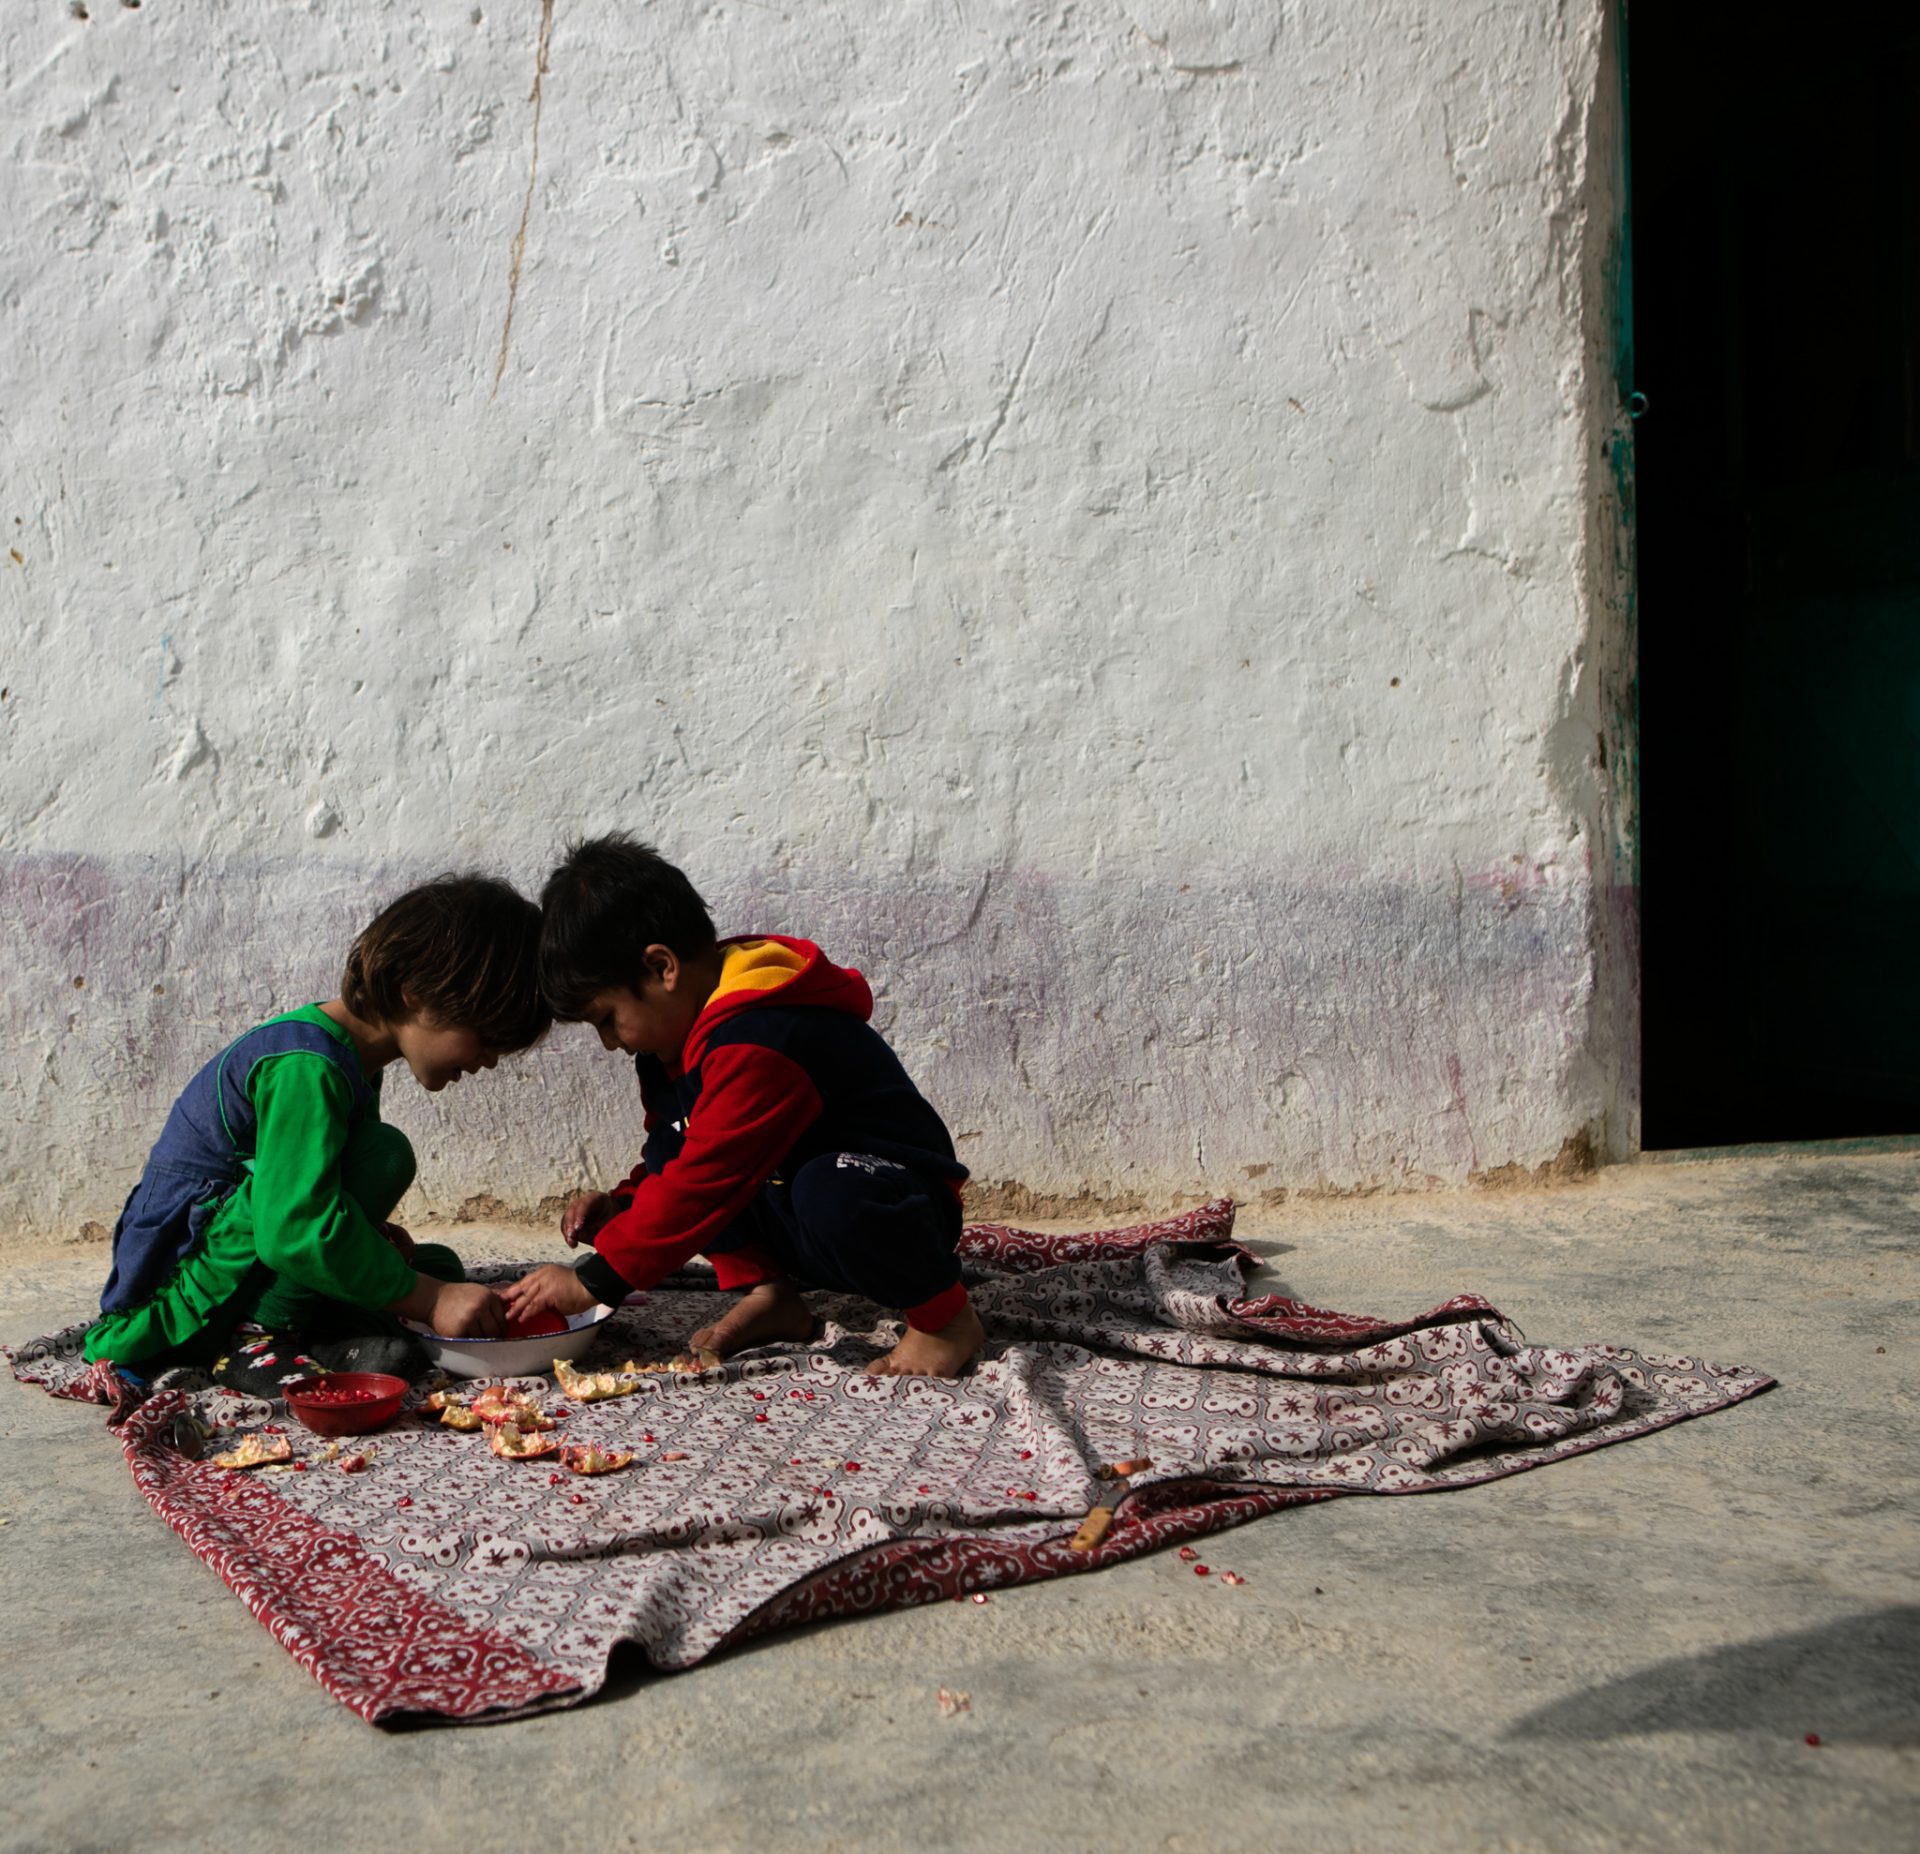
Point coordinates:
[[1776, 337]]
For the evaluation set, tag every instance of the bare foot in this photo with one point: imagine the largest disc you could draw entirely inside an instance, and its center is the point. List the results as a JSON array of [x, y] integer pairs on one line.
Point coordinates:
[[945, 1354], [770, 1310]]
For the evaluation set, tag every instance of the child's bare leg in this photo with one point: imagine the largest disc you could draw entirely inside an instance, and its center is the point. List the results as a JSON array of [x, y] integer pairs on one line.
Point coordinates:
[[770, 1310], [945, 1354]]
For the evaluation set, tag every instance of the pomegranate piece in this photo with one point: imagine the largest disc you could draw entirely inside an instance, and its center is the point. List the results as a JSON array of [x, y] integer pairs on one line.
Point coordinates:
[[536, 1326]]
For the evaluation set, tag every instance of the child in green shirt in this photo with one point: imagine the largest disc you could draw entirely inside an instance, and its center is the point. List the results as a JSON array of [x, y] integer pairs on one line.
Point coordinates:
[[265, 1199]]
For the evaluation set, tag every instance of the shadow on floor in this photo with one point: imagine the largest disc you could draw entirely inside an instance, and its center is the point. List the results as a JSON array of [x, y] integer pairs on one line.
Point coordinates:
[[1856, 1681]]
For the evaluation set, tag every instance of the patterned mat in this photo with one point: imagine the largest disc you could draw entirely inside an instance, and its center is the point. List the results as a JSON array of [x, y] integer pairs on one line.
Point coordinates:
[[447, 1584]]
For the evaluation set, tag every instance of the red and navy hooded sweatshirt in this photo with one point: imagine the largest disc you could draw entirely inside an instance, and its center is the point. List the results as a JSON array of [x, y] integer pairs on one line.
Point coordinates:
[[780, 1066]]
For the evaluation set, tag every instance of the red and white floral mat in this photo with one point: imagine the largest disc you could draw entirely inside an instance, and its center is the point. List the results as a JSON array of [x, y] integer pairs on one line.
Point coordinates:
[[446, 1583]]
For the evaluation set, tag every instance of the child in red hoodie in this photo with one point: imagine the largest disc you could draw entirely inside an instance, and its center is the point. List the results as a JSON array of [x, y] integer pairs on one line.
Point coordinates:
[[784, 1139]]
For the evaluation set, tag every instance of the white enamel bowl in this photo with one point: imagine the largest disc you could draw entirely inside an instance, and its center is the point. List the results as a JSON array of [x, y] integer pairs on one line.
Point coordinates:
[[512, 1358]]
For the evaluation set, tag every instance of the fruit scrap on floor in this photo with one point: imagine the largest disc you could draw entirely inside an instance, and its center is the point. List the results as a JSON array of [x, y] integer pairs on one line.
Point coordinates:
[[584, 1458], [1120, 1470], [358, 1462], [452, 1410], [1092, 1529], [498, 1404], [953, 1701], [511, 1443], [255, 1452], [591, 1386]]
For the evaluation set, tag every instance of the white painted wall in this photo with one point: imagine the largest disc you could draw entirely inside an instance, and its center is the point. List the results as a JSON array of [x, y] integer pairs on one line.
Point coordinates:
[[1094, 512]]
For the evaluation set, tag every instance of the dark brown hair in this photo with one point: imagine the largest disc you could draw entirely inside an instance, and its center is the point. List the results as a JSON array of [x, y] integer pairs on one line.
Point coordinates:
[[463, 950], [602, 908]]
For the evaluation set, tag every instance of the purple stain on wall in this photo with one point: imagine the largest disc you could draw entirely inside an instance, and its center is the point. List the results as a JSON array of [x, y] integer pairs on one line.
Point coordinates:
[[1097, 1035]]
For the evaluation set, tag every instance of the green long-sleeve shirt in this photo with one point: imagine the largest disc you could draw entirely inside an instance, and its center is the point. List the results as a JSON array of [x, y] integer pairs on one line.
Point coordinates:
[[308, 1205], [308, 1219]]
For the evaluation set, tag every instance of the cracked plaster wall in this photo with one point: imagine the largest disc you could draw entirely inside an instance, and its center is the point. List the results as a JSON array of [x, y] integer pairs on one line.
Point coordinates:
[[1092, 511]]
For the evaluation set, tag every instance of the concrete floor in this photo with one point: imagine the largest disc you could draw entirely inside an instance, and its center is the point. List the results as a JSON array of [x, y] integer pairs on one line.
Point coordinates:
[[1625, 1651]]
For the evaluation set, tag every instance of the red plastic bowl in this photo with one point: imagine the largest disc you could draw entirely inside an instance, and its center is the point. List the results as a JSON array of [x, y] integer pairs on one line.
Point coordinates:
[[346, 1403]]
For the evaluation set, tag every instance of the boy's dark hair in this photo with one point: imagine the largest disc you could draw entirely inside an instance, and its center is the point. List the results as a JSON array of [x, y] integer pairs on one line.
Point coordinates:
[[465, 949], [602, 908]]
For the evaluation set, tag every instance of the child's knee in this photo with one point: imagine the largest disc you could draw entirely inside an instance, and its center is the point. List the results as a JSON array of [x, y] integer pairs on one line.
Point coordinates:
[[846, 1191], [377, 1168], [437, 1260], [874, 1227]]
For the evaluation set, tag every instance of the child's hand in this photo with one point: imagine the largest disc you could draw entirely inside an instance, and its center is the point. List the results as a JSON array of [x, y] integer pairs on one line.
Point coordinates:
[[463, 1310], [400, 1240], [548, 1289], [586, 1211]]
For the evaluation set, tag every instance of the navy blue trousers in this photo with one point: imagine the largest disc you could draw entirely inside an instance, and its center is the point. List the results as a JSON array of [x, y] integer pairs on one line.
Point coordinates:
[[860, 1224]]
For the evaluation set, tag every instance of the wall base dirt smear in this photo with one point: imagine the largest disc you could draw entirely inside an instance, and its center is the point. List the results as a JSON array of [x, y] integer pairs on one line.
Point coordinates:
[[1085, 512], [1076, 1041], [1575, 1160], [1000, 1198]]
